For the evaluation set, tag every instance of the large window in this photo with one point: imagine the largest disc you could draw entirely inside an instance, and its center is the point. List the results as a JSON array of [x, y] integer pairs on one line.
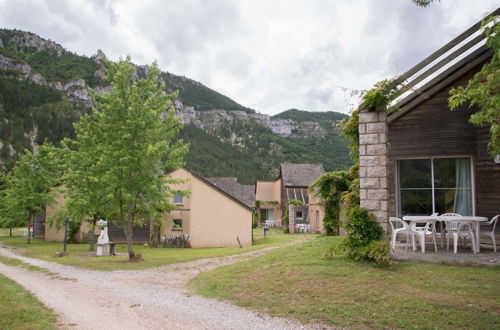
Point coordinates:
[[434, 185], [266, 214]]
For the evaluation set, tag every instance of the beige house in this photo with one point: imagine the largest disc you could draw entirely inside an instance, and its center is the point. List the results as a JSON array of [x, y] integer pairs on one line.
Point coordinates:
[[53, 234], [268, 195], [210, 215], [292, 184]]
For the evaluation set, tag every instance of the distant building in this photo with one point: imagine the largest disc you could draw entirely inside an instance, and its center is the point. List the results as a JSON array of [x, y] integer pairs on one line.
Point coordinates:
[[292, 184], [213, 215]]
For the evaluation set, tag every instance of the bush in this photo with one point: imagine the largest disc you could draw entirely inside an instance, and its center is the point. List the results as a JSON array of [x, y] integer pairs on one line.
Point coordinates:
[[363, 241], [378, 251]]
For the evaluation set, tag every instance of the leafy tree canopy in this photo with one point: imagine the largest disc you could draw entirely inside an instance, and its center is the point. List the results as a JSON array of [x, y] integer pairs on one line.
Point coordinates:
[[129, 139]]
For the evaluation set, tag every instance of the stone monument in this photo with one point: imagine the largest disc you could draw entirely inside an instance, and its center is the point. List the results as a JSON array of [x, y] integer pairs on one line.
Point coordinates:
[[103, 244]]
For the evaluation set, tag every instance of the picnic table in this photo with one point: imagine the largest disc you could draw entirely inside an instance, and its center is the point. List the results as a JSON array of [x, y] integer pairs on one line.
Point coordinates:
[[474, 220]]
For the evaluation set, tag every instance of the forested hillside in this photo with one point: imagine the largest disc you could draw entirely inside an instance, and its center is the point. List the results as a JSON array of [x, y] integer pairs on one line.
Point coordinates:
[[44, 90]]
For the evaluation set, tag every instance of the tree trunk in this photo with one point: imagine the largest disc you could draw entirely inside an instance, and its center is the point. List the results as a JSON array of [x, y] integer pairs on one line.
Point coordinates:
[[66, 225], [10, 232], [29, 227], [129, 236], [92, 233]]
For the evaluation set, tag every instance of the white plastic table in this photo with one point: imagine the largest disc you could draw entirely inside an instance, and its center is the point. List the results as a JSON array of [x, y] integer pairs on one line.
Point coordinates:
[[473, 220]]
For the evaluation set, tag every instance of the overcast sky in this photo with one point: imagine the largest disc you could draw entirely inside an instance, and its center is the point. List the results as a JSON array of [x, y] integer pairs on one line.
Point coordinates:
[[269, 55]]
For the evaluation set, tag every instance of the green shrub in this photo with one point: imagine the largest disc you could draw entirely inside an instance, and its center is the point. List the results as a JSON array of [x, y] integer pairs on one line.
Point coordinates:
[[363, 241], [286, 223], [378, 252]]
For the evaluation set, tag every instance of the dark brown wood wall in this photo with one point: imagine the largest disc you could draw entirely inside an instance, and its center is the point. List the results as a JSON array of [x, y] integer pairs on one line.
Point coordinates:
[[432, 129], [39, 226], [141, 234]]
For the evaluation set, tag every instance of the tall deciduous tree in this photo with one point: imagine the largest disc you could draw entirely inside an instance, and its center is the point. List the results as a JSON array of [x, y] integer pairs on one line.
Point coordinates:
[[84, 190], [129, 141], [29, 185]]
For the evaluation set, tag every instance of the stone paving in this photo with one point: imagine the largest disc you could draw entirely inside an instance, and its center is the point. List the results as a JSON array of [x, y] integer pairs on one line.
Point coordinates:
[[464, 256]]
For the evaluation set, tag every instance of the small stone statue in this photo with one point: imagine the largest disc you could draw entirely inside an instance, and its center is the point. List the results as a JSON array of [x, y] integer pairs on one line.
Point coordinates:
[[103, 240]]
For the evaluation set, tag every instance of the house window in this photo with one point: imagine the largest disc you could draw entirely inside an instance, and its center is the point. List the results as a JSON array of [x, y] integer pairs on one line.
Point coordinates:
[[435, 184], [178, 197], [298, 215], [266, 214], [177, 224]]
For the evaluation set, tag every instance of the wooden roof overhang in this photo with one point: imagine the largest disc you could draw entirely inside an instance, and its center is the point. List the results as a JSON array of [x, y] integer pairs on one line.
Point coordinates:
[[441, 68]]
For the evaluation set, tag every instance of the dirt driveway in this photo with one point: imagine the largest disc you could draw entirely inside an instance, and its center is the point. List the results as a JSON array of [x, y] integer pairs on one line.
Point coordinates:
[[154, 298]]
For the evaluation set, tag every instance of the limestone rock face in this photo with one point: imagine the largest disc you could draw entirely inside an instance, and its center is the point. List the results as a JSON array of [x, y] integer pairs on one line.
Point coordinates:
[[11, 64], [216, 120], [99, 57], [27, 39]]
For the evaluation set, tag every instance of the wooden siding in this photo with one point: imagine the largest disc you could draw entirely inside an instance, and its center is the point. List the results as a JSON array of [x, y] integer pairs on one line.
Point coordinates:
[[432, 129], [39, 226], [141, 234]]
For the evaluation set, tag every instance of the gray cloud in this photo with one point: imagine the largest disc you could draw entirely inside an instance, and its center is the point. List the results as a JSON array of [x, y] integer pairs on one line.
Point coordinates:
[[269, 55]]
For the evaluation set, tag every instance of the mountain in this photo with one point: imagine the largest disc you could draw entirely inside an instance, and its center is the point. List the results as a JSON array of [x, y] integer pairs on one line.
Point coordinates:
[[44, 90]]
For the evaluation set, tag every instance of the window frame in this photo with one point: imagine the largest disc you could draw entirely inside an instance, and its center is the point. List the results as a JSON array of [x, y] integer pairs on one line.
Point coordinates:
[[177, 193], [301, 215], [177, 229], [398, 187]]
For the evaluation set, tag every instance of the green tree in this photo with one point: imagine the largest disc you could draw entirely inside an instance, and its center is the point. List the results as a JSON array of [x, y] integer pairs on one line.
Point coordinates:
[[483, 90], [131, 140], [422, 3], [29, 185], [84, 190], [7, 219]]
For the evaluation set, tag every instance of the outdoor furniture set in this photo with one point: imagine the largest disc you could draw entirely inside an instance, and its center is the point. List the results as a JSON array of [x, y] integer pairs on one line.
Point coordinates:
[[447, 225], [302, 228]]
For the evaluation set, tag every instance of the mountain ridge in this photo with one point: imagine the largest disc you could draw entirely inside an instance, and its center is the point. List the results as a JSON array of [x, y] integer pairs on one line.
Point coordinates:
[[43, 90]]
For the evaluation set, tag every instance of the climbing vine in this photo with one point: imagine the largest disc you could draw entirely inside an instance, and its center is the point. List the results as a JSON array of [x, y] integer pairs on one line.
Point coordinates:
[[483, 90], [256, 214]]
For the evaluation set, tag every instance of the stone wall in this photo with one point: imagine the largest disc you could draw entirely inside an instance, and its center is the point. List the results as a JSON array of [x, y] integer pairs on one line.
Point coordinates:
[[373, 164], [291, 218]]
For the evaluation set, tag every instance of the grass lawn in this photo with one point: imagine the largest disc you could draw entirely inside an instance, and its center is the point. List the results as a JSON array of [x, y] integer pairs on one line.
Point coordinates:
[[152, 257], [15, 231], [19, 309], [297, 282]]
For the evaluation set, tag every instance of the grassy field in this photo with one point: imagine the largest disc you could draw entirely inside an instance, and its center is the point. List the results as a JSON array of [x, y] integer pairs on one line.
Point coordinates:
[[19, 309], [152, 257], [297, 282]]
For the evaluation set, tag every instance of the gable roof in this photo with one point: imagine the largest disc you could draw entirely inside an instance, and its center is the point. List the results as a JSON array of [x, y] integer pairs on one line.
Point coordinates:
[[300, 175], [443, 67], [244, 193], [204, 180]]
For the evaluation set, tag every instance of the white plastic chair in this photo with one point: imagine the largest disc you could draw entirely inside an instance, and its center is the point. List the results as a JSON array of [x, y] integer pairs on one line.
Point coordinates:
[[462, 229], [422, 232], [399, 226], [445, 229], [491, 234]]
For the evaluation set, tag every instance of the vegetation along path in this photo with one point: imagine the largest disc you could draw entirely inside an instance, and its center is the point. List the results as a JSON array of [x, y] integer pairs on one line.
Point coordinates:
[[143, 299]]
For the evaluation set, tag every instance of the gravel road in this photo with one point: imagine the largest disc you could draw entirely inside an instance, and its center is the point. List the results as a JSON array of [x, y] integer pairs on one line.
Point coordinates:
[[154, 298]]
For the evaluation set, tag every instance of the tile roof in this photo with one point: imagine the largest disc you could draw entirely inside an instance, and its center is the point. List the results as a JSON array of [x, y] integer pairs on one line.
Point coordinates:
[[300, 175], [243, 193]]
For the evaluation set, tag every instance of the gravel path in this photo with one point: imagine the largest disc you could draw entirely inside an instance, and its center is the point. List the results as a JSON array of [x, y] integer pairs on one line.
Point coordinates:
[[154, 298]]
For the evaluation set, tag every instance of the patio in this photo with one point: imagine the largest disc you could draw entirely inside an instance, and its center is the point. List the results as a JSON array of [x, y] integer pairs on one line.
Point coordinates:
[[464, 256]]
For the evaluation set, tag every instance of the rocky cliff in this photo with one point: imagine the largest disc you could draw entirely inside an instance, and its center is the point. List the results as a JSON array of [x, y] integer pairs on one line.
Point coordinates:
[[45, 88]]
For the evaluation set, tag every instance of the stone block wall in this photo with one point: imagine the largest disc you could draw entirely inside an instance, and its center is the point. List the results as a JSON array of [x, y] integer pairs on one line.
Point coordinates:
[[291, 218], [373, 174]]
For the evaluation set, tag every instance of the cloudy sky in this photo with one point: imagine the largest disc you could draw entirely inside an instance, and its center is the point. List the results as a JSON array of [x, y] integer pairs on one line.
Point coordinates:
[[270, 55]]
